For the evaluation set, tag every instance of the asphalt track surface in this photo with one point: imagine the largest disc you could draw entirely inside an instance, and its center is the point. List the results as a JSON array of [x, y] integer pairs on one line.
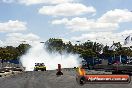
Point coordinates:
[[49, 79]]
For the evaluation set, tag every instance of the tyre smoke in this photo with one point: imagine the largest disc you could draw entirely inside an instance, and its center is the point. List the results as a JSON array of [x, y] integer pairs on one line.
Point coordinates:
[[38, 54]]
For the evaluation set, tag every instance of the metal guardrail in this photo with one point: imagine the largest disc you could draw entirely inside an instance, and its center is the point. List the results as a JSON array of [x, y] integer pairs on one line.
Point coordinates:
[[7, 68], [9, 71]]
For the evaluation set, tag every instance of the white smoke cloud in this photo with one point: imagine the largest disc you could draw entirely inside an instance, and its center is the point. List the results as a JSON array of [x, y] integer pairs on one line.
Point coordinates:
[[38, 54]]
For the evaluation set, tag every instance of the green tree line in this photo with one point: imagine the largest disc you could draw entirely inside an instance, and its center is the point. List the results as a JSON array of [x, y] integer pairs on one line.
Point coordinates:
[[86, 50], [10, 52]]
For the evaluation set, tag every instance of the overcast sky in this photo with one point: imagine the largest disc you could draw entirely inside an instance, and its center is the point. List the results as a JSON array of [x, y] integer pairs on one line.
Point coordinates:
[[103, 21]]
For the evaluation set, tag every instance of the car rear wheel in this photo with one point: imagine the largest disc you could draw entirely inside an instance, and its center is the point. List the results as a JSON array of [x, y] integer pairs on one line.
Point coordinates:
[[35, 69], [81, 80]]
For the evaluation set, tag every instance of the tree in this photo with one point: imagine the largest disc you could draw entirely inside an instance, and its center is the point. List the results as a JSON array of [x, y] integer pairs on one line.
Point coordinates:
[[22, 48]]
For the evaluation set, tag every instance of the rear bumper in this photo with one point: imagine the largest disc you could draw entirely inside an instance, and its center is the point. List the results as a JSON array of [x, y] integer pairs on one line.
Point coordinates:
[[39, 68]]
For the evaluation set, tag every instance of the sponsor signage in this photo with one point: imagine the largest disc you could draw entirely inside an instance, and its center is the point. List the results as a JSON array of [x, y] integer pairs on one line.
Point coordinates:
[[108, 78]]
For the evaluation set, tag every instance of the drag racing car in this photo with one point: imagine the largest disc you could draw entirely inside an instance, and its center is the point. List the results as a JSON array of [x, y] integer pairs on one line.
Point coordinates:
[[40, 66]]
